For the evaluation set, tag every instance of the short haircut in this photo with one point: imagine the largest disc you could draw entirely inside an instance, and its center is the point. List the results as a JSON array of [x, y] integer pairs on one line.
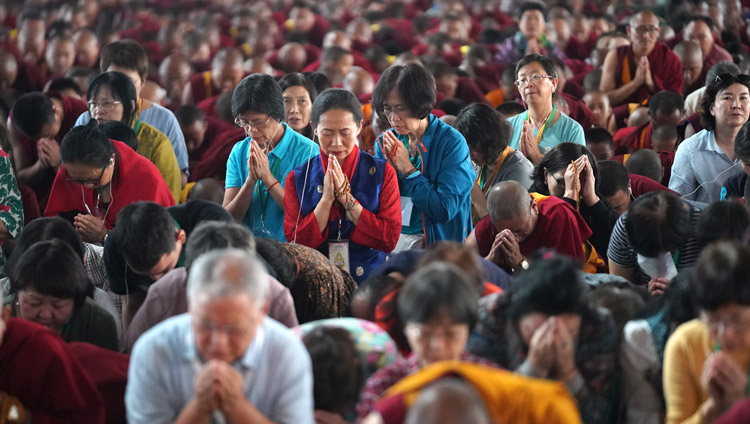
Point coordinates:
[[319, 80], [658, 222], [333, 54], [87, 145], [700, 18], [261, 94], [207, 276], [144, 231], [116, 130], [721, 276], [126, 54], [484, 129], [645, 162], [665, 132], [52, 268], [64, 83], [189, 114], [435, 290], [599, 136], [440, 68], [667, 102], [449, 399], [29, 14], [414, 85], [45, 228], [742, 143], [547, 64], [552, 286], [452, 106], [713, 87], [722, 221], [530, 5], [510, 108], [463, 256], [559, 157], [212, 235], [123, 90], [336, 99], [614, 178], [296, 79], [31, 112], [508, 200], [278, 259], [336, 373]]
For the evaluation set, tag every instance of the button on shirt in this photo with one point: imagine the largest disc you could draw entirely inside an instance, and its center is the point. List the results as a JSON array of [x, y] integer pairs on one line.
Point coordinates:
[[701, 168], [264, 217], [276, 373]]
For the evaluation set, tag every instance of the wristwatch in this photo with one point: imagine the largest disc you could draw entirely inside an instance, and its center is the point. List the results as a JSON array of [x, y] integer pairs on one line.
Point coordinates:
[[523, 266]]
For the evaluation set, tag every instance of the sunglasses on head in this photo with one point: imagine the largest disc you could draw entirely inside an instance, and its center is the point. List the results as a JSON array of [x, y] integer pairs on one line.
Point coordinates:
[[740, 78]]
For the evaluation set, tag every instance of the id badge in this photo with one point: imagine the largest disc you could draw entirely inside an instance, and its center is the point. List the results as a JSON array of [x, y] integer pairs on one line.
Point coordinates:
[[406, 207], [338, 253]]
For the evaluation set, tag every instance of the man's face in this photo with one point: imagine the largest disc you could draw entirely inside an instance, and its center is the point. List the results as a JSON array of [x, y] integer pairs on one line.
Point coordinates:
[[224, 328], [31, 40], [620, 201], [531, 24], [60, 56], [698, 32], [660, 118], [601, 151], [643, 32], [446, 85], [227, 76], [521, 226], [194, 135], [167, 261], [692, 65]]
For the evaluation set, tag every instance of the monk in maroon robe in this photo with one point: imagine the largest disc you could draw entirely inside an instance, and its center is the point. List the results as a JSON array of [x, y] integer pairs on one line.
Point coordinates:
[[226, 72], [664, 108]]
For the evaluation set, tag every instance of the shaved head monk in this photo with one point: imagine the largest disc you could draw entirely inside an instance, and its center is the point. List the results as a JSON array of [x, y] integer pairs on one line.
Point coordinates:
[[631, 74], [292, 57], [227, 70], [520, 223], [700, 31], [691, 58]]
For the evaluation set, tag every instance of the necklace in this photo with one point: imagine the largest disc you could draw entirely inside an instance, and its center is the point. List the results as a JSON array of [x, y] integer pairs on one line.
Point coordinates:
[[539, 124]]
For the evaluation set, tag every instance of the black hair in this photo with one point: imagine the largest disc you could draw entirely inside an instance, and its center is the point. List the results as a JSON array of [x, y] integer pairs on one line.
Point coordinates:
[[742, 143], [613, 178], [722, 276], [510, 108], [530, 5], [279, 259], [491, 36], [721, 82], [45, 228], [297, 79], [333, 54], [258, 93], [373, 289], [64, 83], [722, 221], [599, 136], [463, 256], [87, 145], [658, 222], [212, 235], [436, 289], [123, 90], [336, 99], [189, 114], [31, 112], [484, 129], [116, 130], [29, 14], [414, 85], [319, 80], [549, 66], [623, 300], [127, 54], [452, 105], [722, 67], [667, 102], [336, 370], [144, 231], [440, 68], [552, 286], [705, 19], [52, 268], [5, 140], [559, 157]]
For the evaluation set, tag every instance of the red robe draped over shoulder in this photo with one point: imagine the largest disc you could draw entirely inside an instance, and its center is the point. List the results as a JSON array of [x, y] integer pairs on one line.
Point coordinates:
[[666, 71]]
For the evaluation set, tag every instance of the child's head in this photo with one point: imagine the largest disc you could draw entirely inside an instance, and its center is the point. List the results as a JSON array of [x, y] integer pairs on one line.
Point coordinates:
[[598, 103]]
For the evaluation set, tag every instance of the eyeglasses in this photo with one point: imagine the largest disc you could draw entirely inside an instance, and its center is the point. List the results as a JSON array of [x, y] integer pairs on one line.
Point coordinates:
[[206, 326], [106, 106], [727, 77], [719, 327], [92, 181], [249, 126], [643, 29], [533, 78], [401, 111]]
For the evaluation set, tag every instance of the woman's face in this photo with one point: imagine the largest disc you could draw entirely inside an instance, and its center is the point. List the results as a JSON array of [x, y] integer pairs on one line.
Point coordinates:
[[537, 91], [477, 157], [260, 127], [398, 114], [556, 182], [90, 177], [298, 106], [529, 323], [730, 108], [729, 326], [52, 312], [439, 340], [105, 107], [337, 132]]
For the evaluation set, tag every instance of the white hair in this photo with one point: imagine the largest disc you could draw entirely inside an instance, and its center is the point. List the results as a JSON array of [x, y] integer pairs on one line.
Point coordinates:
[[227, 272]]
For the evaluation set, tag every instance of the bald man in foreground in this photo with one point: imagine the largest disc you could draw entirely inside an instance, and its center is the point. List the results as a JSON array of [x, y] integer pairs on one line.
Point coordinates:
[[520, 223]]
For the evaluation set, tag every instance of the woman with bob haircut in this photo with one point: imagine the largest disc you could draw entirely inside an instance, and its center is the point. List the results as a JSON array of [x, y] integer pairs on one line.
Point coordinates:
[[431, 158], [299, 95]]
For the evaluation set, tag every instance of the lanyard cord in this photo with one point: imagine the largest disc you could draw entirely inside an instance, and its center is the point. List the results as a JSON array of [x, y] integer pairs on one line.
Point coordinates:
[[546, 123]]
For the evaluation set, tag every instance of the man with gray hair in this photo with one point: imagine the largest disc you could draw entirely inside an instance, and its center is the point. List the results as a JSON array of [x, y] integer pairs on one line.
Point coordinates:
[[224, 361]]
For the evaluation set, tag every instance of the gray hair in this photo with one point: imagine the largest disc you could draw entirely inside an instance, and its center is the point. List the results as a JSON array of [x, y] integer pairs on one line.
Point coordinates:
[[212, 235], [228, 272]]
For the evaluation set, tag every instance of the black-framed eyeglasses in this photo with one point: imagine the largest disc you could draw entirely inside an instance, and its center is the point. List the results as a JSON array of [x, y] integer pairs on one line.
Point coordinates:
[[248, 126], [83, 181], [727, 77]]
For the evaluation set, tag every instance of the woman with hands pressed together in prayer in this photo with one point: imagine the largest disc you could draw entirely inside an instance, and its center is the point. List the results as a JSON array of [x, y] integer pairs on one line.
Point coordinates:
[[345, 203]]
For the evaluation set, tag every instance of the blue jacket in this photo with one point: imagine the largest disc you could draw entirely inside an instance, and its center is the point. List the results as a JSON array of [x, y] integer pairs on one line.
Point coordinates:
[[442, 189]]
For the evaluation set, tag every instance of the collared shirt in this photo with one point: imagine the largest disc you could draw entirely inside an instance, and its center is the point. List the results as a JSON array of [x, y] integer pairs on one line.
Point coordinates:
[[276, 373], [264, 217], [701, 168]]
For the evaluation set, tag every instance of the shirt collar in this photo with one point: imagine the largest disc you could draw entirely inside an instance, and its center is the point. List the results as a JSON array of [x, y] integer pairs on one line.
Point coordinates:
[[284, 144], [711, 144]]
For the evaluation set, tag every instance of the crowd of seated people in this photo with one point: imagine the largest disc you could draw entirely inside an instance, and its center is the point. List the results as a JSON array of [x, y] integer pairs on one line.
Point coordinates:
[[388, 211]]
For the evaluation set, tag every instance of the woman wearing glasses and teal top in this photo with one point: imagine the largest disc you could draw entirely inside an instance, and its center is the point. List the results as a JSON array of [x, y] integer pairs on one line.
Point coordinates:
[[434, 170], [112, 97], [542, 126], [97, 178], [258, 165]]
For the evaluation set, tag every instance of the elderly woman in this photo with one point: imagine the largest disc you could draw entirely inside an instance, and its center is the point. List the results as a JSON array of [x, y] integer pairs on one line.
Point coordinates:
[[705, 161], [258, 165], [487, 135], [543, 126], [706, 360], [546, 327], [344, 203], [49, 286], [98, 177], [435, 175], [299, 94], [112, 97]]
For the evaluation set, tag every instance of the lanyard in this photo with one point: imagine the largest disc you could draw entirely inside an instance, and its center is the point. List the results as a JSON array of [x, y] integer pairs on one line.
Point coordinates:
[[546, 124], [263, 195], [483, 182]]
